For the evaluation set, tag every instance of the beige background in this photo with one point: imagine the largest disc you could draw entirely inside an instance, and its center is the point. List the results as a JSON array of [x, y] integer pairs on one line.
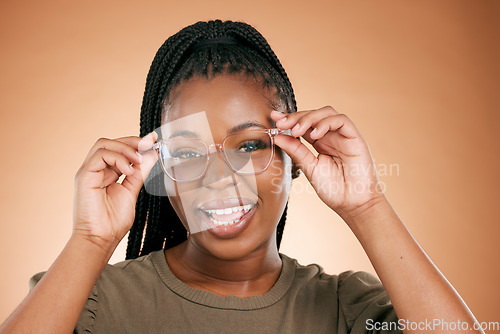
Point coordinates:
[[418, 78]]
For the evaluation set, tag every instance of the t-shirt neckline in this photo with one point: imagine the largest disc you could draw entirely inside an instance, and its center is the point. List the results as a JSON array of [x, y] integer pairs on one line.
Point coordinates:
[[210, 299]]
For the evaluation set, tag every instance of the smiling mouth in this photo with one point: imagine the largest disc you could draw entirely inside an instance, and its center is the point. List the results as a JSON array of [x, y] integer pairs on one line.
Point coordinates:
[[227, 216]]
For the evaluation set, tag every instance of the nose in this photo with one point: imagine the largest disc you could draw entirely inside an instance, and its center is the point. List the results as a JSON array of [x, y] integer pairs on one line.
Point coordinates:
[[217, 169]]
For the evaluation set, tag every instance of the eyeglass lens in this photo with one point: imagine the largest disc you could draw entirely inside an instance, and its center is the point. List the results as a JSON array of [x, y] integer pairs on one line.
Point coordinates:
[[247, 152]]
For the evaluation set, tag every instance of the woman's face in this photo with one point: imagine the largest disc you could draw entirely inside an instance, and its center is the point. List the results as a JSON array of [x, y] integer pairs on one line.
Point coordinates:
[[229, 215]]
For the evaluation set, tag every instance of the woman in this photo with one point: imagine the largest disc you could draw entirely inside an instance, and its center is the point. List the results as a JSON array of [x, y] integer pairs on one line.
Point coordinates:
[[206, 205]]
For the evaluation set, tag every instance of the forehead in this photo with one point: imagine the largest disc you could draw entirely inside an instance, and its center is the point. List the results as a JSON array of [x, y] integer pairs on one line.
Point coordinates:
[[224, 98]]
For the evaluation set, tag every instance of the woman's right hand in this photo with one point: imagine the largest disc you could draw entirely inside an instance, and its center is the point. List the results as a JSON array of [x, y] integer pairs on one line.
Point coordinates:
[[104, 210]]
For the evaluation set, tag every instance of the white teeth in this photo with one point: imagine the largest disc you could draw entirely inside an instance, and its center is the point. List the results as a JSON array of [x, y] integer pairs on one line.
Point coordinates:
[[220, 223], [227, 211], [221, 212]]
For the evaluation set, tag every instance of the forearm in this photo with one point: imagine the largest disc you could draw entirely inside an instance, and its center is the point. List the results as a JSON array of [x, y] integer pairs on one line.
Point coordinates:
[[417, 289], [56, 302]]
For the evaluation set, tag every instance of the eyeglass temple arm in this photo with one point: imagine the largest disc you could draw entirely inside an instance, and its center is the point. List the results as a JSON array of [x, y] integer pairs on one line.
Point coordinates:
[[276, 131]]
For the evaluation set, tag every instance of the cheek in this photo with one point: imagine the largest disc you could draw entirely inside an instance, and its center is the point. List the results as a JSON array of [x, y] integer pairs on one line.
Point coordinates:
[[179, 210], [175, 200], [275, 182]]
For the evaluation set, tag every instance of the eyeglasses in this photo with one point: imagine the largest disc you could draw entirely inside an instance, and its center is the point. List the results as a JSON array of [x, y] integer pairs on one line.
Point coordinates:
[[245, 152]]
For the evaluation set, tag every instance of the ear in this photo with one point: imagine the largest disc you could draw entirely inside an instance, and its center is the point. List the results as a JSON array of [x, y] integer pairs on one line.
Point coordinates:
[[295, 170]]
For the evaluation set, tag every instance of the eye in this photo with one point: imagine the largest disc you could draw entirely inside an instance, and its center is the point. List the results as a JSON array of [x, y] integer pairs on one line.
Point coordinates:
[[186, 154], [250, 146], [183, 153]]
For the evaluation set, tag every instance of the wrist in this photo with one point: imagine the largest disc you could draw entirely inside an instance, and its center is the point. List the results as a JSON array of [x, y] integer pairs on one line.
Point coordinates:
[[365, 213], [94, 245]]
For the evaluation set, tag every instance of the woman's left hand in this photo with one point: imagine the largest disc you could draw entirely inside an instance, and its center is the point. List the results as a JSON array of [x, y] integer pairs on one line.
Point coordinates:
[[343, 174]]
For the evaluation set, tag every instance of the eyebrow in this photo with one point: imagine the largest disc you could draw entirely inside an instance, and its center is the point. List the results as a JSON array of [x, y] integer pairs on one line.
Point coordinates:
[[244, 126], [184, 133], [239, 127]]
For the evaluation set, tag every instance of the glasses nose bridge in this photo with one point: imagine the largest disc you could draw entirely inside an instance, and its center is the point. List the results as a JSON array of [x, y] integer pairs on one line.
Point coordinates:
[[219, 148]]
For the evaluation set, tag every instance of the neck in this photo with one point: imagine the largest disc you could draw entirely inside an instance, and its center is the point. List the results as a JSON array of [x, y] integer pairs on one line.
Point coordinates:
[[254, 274]]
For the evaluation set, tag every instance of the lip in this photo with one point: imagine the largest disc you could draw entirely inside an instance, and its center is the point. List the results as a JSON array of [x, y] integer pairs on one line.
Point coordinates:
[[229, 231]]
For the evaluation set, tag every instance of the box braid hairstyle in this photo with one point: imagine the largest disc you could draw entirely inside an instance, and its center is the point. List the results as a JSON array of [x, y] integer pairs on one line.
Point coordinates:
[[203, 49]]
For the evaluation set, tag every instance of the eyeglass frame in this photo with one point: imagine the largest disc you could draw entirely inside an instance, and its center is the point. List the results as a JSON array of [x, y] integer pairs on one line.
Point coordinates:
[[273, 132]]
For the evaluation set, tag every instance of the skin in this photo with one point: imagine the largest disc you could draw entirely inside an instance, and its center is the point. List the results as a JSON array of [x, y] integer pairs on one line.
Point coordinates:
[[416, 287], [103, 213], [249, 264]]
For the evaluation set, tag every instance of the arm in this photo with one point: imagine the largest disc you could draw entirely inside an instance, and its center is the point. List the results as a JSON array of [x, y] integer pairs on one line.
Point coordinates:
[[416, 287], [53, 305], [345, 178], [103, 213]]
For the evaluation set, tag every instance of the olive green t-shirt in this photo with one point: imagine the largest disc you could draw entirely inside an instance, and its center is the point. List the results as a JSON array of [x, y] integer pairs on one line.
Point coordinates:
[[143, 296]]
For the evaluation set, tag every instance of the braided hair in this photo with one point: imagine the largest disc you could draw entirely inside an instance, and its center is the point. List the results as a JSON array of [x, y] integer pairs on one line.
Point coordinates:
[[181, 57]]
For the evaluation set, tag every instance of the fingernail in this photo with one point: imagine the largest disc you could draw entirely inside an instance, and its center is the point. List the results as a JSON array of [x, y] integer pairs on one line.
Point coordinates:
[[281, 120], [152, 135], [277, 113], [313, 131], [296, 127]]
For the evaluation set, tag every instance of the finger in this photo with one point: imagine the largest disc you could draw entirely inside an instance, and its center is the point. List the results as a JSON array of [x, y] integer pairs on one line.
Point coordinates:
[[114, 170], [137, 142], [286, 121], [147, 142], [338, 123], [127, 146], [123, 146], [135, 181], [110, 176], [277, 115], [104, 158], [307, 136], [300, 121], [299, 153], [308, 121]]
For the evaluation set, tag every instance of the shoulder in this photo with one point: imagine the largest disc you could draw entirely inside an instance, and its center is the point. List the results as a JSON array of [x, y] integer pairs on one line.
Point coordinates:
[[352, 284], [122, 292], [122, 273], [346, 283], [311, 285], [314, 273], [357, 297], [139, 272]]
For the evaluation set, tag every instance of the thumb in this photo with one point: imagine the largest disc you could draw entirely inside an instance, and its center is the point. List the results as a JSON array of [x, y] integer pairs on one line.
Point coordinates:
[[299, 153]]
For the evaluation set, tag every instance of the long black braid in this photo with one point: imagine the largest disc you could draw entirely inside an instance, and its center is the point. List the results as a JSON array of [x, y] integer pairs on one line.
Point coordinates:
[[156, 224]]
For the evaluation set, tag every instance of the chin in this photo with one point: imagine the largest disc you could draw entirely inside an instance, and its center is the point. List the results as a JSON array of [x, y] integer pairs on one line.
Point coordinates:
[[234, 248]]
